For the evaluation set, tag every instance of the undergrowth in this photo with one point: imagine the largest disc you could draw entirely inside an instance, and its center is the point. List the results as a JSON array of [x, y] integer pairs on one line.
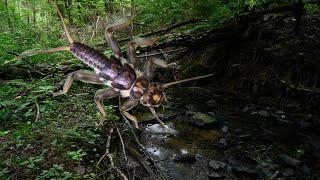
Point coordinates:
[[62, 142]]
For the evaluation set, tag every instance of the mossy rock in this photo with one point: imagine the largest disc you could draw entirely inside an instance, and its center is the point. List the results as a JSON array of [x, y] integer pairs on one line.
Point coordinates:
[[203, 119]]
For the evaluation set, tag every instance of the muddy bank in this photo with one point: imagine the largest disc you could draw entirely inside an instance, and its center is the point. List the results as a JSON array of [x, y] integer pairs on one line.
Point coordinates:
[[271, 62]]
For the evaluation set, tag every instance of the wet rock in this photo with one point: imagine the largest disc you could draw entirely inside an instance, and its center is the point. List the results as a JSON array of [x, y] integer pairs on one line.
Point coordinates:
[[288, 172], [304, 124], [306, 169], [294, 106], [279, 112], [264, 113], [222, 143], [215, 175], [217, 164], [159, 129], [212, 103], [267, 172], [185, 158], [191, 108], [246, 170], [289, 160], [246, 109], [224, 129], [203, 119]]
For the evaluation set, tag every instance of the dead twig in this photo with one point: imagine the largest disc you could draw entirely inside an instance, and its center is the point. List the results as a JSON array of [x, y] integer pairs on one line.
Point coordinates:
[[107, 148], [313, 91], [122, 144], [143, 148], [95, 31], [107, 154], [38, 112]]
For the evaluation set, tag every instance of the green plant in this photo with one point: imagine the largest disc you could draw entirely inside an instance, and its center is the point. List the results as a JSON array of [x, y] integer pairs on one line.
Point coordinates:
[[55, 172], [76, 155], [312, 8]]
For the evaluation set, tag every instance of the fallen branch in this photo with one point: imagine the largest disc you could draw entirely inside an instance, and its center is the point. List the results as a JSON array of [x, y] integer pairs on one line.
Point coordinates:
[[35, 68], [162, 31], [107, 154], [38, 112], [313, 91]]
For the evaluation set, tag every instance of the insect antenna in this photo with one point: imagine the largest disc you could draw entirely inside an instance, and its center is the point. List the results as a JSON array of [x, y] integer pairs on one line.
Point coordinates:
[[70, 40], [46, 51], [185, 80]]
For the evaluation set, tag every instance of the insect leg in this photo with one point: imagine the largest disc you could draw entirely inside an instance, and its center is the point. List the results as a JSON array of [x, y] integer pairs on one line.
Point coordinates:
[[103, 94], [149, 66], [131, 51], [111, 40], [131, 103], [82, 75], [153, 111]]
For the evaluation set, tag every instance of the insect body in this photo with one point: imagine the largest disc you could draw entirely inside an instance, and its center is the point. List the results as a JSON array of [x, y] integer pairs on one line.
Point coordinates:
[[122, 76]]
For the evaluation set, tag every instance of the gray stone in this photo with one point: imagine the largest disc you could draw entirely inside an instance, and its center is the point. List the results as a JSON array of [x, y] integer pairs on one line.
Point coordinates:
[[217, 164], [264, 113], [205, 118], [246, 109], [211, 103], [289, 160], [288, 172], [225, 129]]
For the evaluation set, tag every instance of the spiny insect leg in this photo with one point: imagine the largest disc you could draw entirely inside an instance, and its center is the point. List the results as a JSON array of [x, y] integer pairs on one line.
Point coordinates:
[[153, 111], [131, 51], [149, 66], [103, 94], [131, 103], [111, 40], [81, 75]]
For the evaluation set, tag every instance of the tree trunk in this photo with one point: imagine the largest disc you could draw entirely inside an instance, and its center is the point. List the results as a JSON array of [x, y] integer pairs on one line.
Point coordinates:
[[34, 14], [9, 20]]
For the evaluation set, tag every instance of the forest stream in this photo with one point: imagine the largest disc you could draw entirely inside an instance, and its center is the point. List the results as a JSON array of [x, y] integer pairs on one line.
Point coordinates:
[[211, 89], [252, 143]]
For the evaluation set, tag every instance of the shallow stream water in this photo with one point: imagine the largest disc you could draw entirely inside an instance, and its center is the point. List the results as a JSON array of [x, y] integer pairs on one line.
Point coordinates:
[[248, 144]]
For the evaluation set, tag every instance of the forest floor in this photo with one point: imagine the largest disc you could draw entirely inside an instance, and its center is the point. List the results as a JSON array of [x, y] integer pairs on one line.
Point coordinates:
[[218, 134]]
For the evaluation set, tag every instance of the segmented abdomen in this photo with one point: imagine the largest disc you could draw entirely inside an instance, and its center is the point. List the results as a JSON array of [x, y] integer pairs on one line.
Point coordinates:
[[122, 76]]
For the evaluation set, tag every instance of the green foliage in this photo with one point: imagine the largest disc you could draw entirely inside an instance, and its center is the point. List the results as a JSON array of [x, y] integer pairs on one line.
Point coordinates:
[[312, 8], [55, 172], [76, 155]]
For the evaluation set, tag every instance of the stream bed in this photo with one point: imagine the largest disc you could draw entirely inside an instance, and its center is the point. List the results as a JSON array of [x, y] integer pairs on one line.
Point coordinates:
[[250, 142]]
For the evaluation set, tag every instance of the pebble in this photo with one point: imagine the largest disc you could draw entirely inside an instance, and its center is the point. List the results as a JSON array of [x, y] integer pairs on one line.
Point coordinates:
[[217, 164], [288, 172], [185, 158], [264, 113], [248, 170], [224, 129], [289, 160]]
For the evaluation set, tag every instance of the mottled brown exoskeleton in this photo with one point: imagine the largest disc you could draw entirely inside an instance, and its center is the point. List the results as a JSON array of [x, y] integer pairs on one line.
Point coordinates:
[[122, 76]]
